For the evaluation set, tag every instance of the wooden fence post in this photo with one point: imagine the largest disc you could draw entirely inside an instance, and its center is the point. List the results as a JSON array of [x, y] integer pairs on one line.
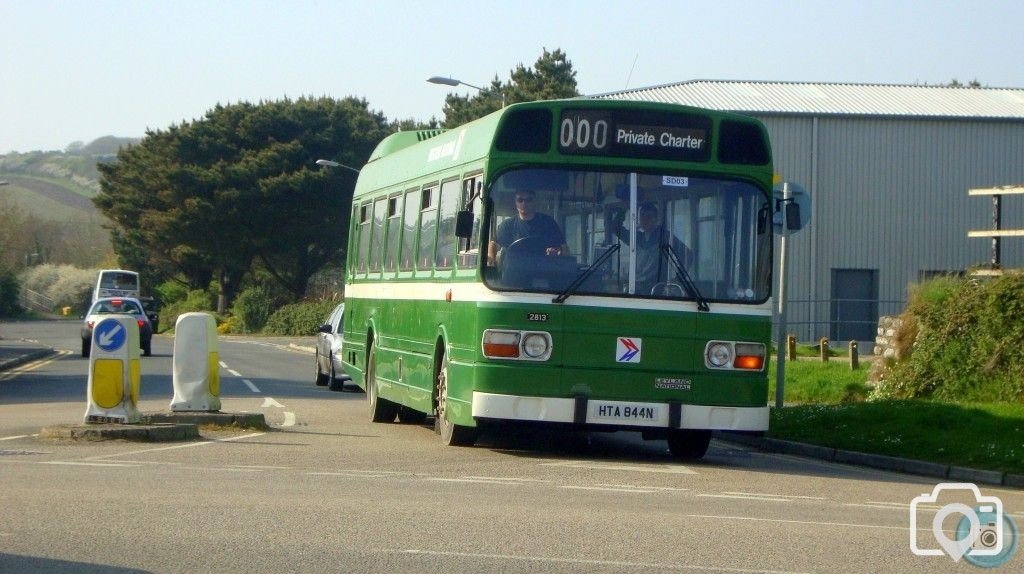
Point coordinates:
[[791, 347], [823, 349], [854, 359]]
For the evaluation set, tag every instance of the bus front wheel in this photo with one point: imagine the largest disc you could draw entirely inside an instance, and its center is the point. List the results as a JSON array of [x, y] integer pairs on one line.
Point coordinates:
[[381, 410], [451, 433], [689, 444]]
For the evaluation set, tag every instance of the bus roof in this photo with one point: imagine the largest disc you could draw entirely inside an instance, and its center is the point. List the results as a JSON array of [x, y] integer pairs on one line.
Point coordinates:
[[406, 156]]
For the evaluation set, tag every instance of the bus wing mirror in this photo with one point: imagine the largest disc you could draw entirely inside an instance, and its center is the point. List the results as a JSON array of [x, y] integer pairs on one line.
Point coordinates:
[[464, 224]]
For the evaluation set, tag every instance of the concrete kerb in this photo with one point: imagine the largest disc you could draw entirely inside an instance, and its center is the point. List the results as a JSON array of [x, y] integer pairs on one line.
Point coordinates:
[[27, 357], [890, 463], [113, 431]]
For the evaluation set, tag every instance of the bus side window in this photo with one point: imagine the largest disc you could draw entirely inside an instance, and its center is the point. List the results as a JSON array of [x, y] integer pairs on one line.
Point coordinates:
[[469, 251], [353, 240], [377, 243], [394, 231], [428, 228], [408, 253], [449, 204], [364, 237]]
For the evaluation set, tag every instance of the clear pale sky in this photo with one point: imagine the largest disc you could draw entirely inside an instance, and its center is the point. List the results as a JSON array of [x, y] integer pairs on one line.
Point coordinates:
[[78, 70]]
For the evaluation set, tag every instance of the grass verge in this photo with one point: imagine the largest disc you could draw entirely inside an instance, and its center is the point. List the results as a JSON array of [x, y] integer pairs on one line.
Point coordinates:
[[976, 435]]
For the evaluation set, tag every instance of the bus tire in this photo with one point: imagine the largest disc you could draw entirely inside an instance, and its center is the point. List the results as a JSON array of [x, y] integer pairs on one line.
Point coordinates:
[[688, 444], [381, 410], [451, 433]]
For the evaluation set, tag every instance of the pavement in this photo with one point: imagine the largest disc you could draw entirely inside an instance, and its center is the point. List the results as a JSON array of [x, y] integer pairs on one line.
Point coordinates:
[[15, 352]]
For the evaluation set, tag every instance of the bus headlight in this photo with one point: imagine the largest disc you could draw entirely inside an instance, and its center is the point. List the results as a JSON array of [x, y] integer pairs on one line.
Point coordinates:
[[734, 355], [719, 355], [517, 345]]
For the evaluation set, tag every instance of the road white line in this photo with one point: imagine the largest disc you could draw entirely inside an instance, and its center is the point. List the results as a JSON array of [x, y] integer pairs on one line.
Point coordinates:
[[656, 488], [234, 372], [251, 386], [289, 419], [591, 465], [348, 474], [269, 402], [610, 489], [17, 436], [805, 522], [505, 478], [475, 481], [772, 495], [175, 447], [763, 498], [614, 563], [259, 466], [71, 463]]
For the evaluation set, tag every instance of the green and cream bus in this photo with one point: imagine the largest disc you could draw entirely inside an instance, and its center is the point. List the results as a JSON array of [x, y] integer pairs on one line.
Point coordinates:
[[462, 307]]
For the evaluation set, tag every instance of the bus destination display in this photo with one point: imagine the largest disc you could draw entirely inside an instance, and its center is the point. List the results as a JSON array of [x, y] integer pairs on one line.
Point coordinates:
[[681, 137]]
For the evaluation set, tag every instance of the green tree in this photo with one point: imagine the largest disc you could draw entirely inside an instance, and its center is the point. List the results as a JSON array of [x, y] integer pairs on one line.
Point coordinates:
[[238, 188], [552, 77]]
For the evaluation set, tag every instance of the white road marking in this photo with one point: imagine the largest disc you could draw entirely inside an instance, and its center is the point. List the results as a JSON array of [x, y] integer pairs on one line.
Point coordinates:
[[15, 437], [506, 478], [289, 419], [234, 372], [555, 560], [269, 402], [609, 489], [353, 474], [251, 386], [807, 522], [591, 465], [189, 445], [475, 481], [72, 463], [223, 365], [767, 495], [763, 498], [656, 488]]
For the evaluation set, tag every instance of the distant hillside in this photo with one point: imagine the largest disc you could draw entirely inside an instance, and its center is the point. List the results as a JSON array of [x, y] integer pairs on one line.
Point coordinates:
[[58, 185]]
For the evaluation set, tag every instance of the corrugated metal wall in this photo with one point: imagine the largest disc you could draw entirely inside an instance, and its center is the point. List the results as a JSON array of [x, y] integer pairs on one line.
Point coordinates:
[[891, 194]]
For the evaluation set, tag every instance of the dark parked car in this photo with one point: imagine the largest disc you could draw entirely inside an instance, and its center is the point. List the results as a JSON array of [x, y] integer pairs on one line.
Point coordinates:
[[117, 306], [329, 339]]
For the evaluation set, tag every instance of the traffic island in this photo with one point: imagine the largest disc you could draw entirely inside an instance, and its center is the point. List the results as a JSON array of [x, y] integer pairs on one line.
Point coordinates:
[[147, 432], [215, 418]]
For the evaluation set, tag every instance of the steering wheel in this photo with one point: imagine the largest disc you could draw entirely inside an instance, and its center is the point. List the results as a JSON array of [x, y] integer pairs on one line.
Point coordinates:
[[530, 245]]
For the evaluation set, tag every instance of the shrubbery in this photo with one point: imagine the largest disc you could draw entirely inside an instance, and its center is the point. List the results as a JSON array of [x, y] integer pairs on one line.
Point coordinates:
[[194, 301], [251, 309], [962, 340], [9, 294], [299, 318], [66, 285]]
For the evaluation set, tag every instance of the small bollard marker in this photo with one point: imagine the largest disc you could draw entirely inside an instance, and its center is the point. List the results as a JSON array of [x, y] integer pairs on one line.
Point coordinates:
[[114, 372], [196, 368]]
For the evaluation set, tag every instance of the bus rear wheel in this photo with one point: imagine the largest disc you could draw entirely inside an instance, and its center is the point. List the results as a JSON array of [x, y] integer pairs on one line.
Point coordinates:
[[689, 444], [381, 410], [451, 433]]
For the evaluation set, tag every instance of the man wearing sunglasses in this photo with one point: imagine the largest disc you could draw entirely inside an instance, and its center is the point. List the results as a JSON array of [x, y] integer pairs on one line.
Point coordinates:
[[539, 229]]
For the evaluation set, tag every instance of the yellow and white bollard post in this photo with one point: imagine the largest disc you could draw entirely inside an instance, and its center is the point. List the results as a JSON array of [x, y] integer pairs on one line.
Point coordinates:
[[114, 371], [196, 368]]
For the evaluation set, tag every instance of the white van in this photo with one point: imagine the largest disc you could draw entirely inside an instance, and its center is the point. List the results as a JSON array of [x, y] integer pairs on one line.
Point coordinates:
[[116, 283]]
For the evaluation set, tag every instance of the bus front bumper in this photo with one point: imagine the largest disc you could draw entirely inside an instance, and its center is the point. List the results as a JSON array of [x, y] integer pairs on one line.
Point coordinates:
[[582, 410]]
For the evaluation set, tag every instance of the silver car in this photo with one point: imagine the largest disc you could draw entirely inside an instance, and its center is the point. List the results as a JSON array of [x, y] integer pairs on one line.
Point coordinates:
[[329, 339]]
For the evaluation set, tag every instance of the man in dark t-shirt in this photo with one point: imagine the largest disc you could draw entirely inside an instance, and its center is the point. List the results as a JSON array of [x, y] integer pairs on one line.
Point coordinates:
[[528, 223]]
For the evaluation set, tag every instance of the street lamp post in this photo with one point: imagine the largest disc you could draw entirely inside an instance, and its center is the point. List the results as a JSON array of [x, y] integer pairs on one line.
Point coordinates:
[[332, 163], [454, 83]]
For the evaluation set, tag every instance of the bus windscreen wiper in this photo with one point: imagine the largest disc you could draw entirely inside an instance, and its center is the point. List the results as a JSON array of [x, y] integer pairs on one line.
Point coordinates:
[[684, 277], [585, 274]]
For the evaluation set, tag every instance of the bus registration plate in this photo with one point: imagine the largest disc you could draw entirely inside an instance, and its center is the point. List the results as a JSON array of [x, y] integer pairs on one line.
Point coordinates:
[[636, 414]]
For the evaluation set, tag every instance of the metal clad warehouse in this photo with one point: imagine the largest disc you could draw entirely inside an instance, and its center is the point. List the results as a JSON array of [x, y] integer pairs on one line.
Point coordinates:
[[888, 168]]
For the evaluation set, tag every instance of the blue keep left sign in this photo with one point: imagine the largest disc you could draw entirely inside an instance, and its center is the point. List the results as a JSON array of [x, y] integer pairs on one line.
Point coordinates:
[[110, 335]]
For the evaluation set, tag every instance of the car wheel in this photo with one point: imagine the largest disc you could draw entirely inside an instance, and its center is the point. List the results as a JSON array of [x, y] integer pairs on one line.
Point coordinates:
[[334, 383], [381, 410], [321, 379], [689, 444], [451, 434], [86, 347], [147, 348]]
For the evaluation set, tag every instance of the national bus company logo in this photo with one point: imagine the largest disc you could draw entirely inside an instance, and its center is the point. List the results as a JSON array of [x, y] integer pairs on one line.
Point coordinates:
[[627, 349]]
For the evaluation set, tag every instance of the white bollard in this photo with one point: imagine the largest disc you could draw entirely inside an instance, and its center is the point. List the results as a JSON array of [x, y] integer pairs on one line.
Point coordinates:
[[196, 368], [114, 371]]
